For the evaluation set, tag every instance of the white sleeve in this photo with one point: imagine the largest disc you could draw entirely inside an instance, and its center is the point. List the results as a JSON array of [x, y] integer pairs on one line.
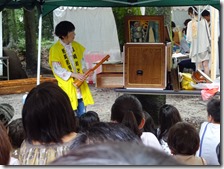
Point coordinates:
[[149, 139], [189, 32], [61, 72], [83, 64]]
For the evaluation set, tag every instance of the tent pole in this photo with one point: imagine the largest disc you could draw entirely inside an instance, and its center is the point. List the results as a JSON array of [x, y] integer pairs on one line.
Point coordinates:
[[1, 44], [214, 40], [199, 16], [39, 49]]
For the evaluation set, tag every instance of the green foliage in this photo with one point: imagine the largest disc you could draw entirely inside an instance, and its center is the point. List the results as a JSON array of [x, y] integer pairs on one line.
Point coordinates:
[[165, 11], [119, 15], [18, 28], [19, 23], [21, 45], [47, 43], [48, 27]]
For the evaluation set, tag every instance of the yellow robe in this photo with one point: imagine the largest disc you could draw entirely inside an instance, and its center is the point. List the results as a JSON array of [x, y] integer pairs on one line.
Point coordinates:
[[57, 55]]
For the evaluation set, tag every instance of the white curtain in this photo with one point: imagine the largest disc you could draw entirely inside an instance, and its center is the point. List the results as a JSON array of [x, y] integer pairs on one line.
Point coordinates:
[[95, 28]]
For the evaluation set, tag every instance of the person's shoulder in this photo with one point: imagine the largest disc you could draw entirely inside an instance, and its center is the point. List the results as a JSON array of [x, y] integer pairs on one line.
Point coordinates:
[[13, 161], [203, 124], [76, 43], [56, 45], [149, 136]]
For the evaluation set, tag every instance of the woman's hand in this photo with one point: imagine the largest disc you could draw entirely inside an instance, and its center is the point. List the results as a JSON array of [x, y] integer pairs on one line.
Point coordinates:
[[78, 76]]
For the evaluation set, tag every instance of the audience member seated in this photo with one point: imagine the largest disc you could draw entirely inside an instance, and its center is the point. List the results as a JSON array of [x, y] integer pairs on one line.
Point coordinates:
[[183, 141], [110, 132], [5, 148], [49, 125], [127, 109], [16, 135], [87, 119], [210, 133], [168, 116], [184, 45], [121, 153], [149, 123], [6, 113], [175, 37]]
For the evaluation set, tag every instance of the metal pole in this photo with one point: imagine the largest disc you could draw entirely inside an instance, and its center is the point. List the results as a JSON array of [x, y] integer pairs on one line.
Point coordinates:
[[39, 50]]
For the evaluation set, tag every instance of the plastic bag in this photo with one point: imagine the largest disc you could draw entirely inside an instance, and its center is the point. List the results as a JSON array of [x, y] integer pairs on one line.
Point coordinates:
[[186, 81]]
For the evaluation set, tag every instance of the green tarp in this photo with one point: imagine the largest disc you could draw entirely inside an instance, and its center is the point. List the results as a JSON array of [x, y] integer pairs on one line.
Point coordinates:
[[49, 5]]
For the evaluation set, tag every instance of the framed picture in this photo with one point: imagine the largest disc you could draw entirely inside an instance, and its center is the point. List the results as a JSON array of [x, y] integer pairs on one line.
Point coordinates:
[[144, 29]]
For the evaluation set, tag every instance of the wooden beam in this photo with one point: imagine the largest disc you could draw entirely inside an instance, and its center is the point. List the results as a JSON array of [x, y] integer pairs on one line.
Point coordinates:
[[21, 85]]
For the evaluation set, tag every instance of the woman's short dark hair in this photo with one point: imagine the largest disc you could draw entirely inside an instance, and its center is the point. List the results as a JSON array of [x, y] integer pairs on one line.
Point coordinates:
[[63, 28], [173, 25], [127, 109], [47, 114], [213, 109], [205, 13], [183, 138]]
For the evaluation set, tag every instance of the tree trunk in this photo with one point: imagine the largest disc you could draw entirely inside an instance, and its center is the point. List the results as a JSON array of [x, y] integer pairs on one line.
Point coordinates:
[[13, 36], [31, 45], [151, 104], [5, 26]]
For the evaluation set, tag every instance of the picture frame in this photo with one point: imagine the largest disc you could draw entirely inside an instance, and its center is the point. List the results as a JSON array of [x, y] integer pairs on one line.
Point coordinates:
[[144, 29], [167, 36]]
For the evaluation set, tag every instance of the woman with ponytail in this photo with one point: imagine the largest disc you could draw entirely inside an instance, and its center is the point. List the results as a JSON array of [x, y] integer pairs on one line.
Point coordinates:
[[127, 109]]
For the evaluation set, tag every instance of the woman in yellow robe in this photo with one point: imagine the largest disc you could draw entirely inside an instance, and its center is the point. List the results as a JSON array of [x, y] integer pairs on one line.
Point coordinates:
[[67, 63]]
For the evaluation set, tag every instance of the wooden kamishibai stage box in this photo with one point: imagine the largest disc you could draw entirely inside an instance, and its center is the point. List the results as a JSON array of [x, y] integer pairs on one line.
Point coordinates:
[[147, 52], [145, 65], [111, 76], [147, 56]]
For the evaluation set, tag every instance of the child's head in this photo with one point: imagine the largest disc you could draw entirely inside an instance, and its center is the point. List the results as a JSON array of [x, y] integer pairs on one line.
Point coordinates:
[[168, 116], [213, 109], [16, 133], [87, 119], [127, 109], [192, 11], [183, 139]]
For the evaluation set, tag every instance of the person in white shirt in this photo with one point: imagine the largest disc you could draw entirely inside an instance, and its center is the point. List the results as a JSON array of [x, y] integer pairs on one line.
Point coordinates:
[[210, 133], [199, 39]]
